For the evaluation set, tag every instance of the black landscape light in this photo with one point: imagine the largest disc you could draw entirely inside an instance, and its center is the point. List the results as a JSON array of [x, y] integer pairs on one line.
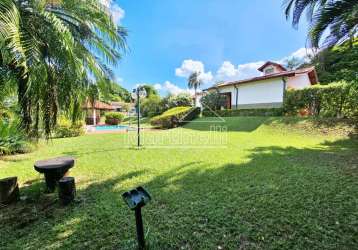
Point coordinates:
[[136, 199], [137, 94]]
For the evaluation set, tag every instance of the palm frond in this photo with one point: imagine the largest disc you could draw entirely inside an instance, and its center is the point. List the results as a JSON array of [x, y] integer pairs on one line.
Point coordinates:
[[297, 7], [341, 17]]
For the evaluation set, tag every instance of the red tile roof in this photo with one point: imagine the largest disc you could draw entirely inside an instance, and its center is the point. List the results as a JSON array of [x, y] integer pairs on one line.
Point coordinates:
[[98, 105], [310, 71]]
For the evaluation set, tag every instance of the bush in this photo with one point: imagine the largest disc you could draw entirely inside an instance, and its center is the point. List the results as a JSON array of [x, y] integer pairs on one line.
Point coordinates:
[[334, 100], [114, 118], [151, 106], [244, 112], [213, 101], [336, 63], [68, 131], [175, 117], [180, 100], [65, 129], [12, 139]]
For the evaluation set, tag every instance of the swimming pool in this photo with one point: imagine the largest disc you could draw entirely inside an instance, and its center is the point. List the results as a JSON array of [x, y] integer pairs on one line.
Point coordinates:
[[111, 127]]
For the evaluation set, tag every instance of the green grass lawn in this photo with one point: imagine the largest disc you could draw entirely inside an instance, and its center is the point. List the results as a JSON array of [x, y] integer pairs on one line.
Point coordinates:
[[269, 185]]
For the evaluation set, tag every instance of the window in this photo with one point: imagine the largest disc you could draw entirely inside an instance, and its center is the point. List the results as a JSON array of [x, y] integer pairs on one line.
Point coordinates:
[[269, 70]]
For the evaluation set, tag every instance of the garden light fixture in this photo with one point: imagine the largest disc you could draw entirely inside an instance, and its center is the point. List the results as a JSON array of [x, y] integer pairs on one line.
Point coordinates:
[[136, 199], [137, 94]]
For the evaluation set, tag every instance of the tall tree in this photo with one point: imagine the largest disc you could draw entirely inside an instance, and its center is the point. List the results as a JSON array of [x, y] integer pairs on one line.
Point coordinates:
[[53, 47], [339, 17], [337, 63], [194, 82], [151, 91], [293, 63]]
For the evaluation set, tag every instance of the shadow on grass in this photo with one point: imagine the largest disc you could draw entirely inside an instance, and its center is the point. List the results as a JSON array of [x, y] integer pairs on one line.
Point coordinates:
[[39, 220], [280, 198]]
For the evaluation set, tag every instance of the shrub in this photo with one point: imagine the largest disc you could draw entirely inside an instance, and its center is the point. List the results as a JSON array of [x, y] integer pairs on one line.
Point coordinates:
[[68, 131], [334, 100], [12, 138], [113, 118], [151, 106], [180, 100], [175, 117], [213, 101], [65, 129], [244, 112]]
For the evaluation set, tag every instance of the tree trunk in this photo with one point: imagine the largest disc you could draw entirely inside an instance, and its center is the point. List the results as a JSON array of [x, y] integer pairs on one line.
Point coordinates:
[[94, 117], [195, 97], [66, 190], [24, 101], [9, 190]]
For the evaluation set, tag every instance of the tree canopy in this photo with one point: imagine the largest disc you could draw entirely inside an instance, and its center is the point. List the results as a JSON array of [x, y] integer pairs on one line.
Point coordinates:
[[337, 18], [337, 63], [50, 51]]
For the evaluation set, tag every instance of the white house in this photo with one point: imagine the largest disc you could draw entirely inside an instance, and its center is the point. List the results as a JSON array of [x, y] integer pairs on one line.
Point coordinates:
[[267, 90]]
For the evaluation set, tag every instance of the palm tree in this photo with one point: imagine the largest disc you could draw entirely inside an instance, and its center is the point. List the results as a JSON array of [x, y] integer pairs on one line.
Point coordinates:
[[52, 48], [340, 17], [194, 82]]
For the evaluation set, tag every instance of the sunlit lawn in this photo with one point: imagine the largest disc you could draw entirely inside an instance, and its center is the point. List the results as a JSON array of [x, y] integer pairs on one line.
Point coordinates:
[[267, 187]]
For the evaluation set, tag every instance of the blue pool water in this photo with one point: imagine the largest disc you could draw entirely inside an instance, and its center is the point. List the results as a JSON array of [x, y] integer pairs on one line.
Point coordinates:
[[111, 127]]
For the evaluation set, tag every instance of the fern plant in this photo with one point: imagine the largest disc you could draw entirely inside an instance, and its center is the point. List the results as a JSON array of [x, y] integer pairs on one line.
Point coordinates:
[[12, 138]]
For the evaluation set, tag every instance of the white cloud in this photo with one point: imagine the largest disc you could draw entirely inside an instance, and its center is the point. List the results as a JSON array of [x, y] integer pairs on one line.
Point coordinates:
[[117, 12], [190, 66], [167, 88], [228, 71], [118, 79], [302, 54], [172, 88], [206, 77], [157, 86]]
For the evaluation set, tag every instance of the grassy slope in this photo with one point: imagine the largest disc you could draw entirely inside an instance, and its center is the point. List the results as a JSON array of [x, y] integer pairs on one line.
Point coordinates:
[[272, 187], [132, 121]]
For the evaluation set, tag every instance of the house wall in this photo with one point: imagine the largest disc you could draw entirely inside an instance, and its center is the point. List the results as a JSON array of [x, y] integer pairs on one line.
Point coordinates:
[[262, 94], [276, 69], [298, 82], [230, 89]]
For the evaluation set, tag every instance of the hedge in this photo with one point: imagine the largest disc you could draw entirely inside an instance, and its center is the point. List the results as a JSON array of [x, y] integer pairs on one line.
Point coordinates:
[[175, 117], [65, 128], [244, 112], [114, 118], [339, 99], [68, 131]]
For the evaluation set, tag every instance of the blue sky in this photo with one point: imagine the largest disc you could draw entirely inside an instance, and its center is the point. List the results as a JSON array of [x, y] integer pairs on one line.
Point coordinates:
[[224, 39]]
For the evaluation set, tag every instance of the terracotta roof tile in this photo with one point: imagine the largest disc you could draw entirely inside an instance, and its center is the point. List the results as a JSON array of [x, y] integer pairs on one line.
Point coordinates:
[[98, 105], [311, 71]]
